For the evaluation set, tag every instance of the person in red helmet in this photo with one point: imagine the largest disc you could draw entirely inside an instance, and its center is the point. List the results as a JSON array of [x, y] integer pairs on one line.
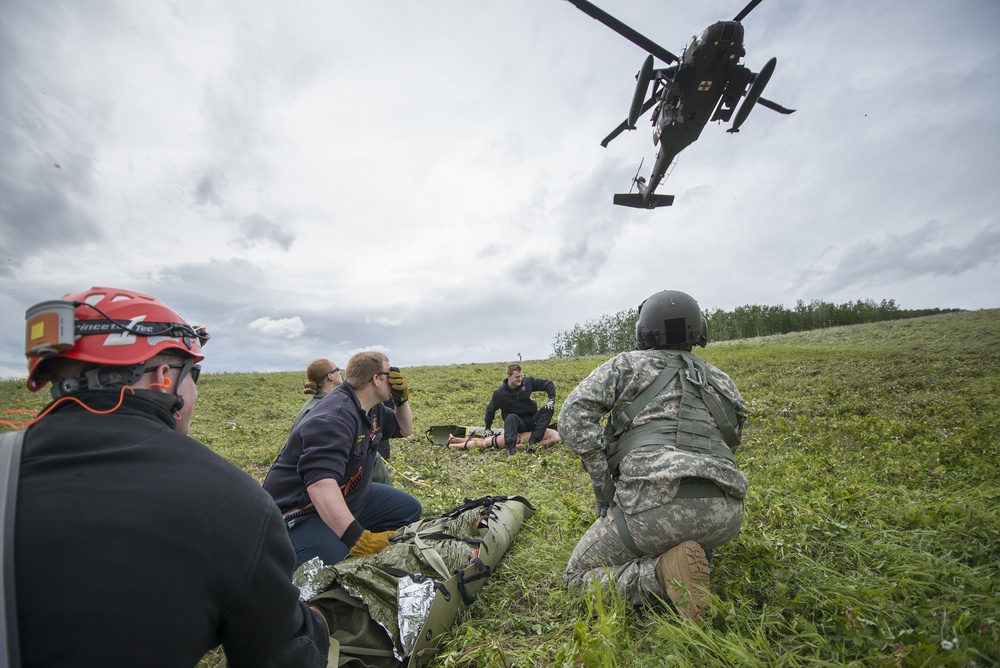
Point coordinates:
[[135, 545]]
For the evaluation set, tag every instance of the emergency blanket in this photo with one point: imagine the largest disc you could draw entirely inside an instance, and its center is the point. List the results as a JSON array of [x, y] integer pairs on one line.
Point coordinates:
[[393, 607]]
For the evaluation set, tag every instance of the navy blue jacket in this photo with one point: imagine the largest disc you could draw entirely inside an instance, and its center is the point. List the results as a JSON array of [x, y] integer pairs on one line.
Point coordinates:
[[336, 439]]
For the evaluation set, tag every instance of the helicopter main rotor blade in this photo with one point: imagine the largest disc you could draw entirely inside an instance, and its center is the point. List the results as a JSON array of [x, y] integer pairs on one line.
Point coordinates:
[[628, 33], [624, 124], [774, 106], [746, 10]]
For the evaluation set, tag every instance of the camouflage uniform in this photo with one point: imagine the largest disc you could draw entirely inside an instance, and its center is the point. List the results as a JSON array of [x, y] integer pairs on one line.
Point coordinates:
[[649, 478]]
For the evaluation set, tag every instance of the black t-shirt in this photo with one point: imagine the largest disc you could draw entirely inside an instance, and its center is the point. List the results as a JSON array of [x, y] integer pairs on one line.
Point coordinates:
[[137, 546]]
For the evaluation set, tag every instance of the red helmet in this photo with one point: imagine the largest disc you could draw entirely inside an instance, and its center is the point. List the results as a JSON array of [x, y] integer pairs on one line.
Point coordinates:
[[107, 326]]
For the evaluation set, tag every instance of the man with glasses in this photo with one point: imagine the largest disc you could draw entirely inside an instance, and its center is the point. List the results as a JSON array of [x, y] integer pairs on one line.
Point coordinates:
[[135, 543], [322, 377], [322, 480]]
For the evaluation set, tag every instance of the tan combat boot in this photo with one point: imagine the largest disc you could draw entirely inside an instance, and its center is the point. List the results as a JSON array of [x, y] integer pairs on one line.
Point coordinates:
[[687, 564]]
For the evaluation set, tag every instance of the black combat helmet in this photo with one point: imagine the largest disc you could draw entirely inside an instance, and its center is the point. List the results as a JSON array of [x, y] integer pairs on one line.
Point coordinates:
[[670, 319]]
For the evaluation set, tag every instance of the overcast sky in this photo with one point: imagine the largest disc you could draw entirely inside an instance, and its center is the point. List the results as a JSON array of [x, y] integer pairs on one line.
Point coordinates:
[[312, 178]]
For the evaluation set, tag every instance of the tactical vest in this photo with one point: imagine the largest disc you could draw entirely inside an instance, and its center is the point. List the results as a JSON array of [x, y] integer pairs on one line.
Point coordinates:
[[692, 430]]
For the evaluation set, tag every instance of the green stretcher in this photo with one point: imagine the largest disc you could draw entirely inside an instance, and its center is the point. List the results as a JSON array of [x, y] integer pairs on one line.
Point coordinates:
[[394, 607]]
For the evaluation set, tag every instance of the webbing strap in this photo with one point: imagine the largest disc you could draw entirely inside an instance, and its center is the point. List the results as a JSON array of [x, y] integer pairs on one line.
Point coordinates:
[[619, 516], [686, 490], [364, 651], [10, 465], [643, 399], [722, 419], [483, 571], [432, 557], [658, 432]]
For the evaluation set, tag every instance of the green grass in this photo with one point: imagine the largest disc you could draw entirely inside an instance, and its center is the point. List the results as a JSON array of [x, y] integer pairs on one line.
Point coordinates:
[[872, 535]]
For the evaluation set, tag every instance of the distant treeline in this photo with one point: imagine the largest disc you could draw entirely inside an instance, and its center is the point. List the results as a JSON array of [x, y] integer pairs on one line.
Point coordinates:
[[612, 334]]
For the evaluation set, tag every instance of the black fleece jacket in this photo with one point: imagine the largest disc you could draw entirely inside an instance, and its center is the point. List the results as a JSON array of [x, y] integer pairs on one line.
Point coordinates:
[[137, 546], [518, 400]]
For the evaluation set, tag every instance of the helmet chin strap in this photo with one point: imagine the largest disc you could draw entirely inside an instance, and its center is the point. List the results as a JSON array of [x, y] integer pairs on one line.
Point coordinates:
[[178, 403], [97, 379]]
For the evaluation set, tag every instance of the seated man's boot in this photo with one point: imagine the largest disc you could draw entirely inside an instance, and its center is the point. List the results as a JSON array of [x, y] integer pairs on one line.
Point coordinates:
[[687, 565]]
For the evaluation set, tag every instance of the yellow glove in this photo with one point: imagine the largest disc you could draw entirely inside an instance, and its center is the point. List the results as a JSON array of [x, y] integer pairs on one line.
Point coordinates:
[[372, 543], [400, 392]]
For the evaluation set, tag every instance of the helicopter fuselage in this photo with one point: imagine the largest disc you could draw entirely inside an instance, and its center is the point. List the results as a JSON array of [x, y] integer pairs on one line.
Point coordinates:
[[690, 97], [706, 83]]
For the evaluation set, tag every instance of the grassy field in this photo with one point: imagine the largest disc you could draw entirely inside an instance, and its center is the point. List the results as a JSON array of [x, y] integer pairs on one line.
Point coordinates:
[[872, 535]]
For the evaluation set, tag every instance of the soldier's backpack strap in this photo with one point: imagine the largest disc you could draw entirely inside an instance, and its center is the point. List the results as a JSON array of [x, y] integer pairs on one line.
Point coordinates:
[[10, 465], [726, 419], [624, 419], [729, 434]]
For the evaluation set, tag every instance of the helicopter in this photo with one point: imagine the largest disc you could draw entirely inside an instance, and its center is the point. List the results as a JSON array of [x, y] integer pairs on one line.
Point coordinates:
[[704, 84]]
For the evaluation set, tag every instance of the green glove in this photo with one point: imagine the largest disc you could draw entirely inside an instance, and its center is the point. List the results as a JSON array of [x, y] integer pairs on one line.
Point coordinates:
[[604, 494], [399, 391], [595, 463], [372, 543]]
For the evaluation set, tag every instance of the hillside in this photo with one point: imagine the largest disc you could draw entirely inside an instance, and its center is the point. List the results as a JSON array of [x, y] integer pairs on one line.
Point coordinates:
[[872, 535]]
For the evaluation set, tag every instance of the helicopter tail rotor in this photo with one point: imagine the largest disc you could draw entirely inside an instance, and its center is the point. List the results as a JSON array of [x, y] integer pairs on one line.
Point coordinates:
[[642, 199], [638, 180]]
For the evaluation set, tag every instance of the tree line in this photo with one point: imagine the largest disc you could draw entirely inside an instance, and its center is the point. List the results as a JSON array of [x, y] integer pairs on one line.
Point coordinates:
[[612, 334]]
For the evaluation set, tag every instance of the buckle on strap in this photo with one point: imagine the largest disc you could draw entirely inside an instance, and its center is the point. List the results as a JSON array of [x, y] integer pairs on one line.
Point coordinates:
[[693, 372]]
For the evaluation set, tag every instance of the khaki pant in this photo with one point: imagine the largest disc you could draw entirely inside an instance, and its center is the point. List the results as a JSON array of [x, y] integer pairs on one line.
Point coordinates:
[[602, 555]]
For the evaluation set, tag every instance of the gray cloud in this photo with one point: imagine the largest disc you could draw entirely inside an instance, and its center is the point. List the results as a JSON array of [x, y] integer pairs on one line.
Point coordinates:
[[923, 251], [255, 229], [335, 174], [206, 192]]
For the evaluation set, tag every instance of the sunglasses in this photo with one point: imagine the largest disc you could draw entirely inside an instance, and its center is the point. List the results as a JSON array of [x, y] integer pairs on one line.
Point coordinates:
[[333, 370], [383, 373], [195, 372]]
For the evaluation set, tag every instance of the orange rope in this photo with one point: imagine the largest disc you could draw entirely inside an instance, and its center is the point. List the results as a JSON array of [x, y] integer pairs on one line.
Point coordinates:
[[25, 425]]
